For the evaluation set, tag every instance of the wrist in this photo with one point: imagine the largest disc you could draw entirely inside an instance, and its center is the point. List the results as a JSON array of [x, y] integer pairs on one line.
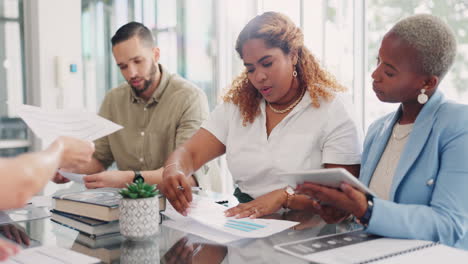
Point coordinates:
[[289, 196], [137, 175], [361, 210], [363, 217]]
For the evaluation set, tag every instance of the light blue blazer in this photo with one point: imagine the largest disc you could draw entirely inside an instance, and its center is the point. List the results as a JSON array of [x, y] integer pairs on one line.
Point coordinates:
[[429, 193]]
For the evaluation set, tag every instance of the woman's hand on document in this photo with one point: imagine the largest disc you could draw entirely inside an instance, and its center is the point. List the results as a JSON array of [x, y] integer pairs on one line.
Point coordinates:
[[263, 205], [7, 249], [177, 189], [336, 205]]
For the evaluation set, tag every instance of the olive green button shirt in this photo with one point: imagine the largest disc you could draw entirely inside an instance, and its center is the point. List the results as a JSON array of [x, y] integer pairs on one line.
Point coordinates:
[[152, 130]]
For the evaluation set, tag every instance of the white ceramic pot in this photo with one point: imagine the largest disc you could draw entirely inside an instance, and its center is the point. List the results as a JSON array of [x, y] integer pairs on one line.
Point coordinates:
[[139, 218]]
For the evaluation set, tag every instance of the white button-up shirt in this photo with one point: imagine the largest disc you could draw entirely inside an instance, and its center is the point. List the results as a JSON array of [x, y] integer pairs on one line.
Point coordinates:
[[306, 138]]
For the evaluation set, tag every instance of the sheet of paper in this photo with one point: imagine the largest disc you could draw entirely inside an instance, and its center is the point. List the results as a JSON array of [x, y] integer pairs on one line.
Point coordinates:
[[188, 225], [210, 214], [50, 255], [72, 176], [50, 124]]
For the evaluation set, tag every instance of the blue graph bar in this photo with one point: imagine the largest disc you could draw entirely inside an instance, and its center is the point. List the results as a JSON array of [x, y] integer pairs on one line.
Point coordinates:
[[246, 223], [238, 228]]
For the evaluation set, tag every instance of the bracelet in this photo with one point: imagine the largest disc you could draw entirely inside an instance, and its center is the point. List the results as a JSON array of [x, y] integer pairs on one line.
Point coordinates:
[[169, 165]]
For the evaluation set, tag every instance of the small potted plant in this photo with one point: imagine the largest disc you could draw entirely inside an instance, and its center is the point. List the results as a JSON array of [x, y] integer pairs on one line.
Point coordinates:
[[139, 211]]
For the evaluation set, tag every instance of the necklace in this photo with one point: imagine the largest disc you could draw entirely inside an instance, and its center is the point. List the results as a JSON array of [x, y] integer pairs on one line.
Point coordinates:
[[401, 131], [291, 106]]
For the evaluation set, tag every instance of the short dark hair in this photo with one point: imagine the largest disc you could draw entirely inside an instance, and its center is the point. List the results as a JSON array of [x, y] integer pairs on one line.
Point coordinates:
[[130, 30]]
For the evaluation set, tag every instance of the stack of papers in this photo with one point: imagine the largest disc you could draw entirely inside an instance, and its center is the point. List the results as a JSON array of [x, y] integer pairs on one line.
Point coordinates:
[[206, 219]]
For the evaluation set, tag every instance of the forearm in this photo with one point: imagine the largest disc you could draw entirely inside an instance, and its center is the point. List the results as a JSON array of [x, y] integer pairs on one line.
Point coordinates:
[[181, 159], [416, 222], [301, 202], [92, 167], [27, 174]]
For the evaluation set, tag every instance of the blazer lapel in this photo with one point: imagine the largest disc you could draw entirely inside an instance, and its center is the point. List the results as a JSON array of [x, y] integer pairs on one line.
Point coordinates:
[[416, 141], [378, 146]]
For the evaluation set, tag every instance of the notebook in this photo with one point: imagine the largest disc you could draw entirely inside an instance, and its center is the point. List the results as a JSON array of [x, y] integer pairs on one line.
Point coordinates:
[[360, 248]]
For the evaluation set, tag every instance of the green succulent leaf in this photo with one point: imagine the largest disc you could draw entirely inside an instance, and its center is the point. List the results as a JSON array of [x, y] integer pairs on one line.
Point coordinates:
[[139, 189]]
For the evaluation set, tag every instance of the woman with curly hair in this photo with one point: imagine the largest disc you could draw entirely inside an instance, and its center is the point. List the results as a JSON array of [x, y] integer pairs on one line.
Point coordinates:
[[282, 114]]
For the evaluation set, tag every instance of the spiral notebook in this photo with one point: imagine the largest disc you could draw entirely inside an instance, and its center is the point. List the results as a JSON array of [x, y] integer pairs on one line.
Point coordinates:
[[359, 247]]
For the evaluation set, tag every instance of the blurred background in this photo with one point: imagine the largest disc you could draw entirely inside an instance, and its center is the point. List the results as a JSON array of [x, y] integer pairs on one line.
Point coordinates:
[[56, 53]]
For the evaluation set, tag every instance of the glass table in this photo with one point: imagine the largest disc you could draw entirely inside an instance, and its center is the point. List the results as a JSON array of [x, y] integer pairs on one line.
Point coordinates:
[[173, 246]]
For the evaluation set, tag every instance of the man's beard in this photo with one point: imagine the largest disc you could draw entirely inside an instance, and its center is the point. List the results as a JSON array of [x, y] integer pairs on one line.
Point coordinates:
[[147, 83]]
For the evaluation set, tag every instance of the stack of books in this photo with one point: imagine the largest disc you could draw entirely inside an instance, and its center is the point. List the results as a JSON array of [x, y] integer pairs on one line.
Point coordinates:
[[94, 213]]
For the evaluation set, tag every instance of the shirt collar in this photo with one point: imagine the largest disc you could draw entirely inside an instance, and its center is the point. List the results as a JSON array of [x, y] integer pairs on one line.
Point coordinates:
[[157, 94]]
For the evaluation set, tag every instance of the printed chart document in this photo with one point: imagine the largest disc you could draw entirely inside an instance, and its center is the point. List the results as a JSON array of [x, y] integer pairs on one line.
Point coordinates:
[[210, 214], [189, 225], [50, 124], [50, 255]]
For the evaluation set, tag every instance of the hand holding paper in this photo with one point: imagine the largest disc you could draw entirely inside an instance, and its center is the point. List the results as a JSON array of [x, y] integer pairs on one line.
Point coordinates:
[[72, 176]]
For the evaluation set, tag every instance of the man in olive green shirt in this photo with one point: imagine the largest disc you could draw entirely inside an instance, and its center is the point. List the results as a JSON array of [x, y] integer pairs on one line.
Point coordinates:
[[158, 110]]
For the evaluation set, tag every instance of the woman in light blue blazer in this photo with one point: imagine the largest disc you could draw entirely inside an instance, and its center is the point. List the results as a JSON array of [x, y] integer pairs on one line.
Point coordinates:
[[415, 159]]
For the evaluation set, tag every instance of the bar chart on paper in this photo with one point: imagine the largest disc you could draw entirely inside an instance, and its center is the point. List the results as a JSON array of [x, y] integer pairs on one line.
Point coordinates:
[[242, 225], [211, 214]]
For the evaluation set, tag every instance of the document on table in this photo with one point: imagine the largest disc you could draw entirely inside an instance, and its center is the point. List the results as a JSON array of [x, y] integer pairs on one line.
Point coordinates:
[[72, 176], [49, 255], [189, 225], [50, 124], [210, 214]]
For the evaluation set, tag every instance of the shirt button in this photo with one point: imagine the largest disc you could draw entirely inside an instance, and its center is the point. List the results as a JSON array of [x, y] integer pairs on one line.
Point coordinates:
[[141, 160], [144, 109], [430, 182], [142, 133]]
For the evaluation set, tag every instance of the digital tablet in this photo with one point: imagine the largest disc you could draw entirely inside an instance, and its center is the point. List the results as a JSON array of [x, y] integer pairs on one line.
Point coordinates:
[[328, 177]]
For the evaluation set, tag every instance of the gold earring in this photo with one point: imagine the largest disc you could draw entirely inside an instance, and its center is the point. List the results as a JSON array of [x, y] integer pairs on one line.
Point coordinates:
[[294, 72]]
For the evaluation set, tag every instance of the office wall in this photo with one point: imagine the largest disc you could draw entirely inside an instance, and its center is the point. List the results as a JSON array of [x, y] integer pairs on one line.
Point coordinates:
[[53, 42]]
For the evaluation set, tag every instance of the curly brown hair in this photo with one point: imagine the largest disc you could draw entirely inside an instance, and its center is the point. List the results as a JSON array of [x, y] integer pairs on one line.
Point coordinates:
[[277, 30]]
